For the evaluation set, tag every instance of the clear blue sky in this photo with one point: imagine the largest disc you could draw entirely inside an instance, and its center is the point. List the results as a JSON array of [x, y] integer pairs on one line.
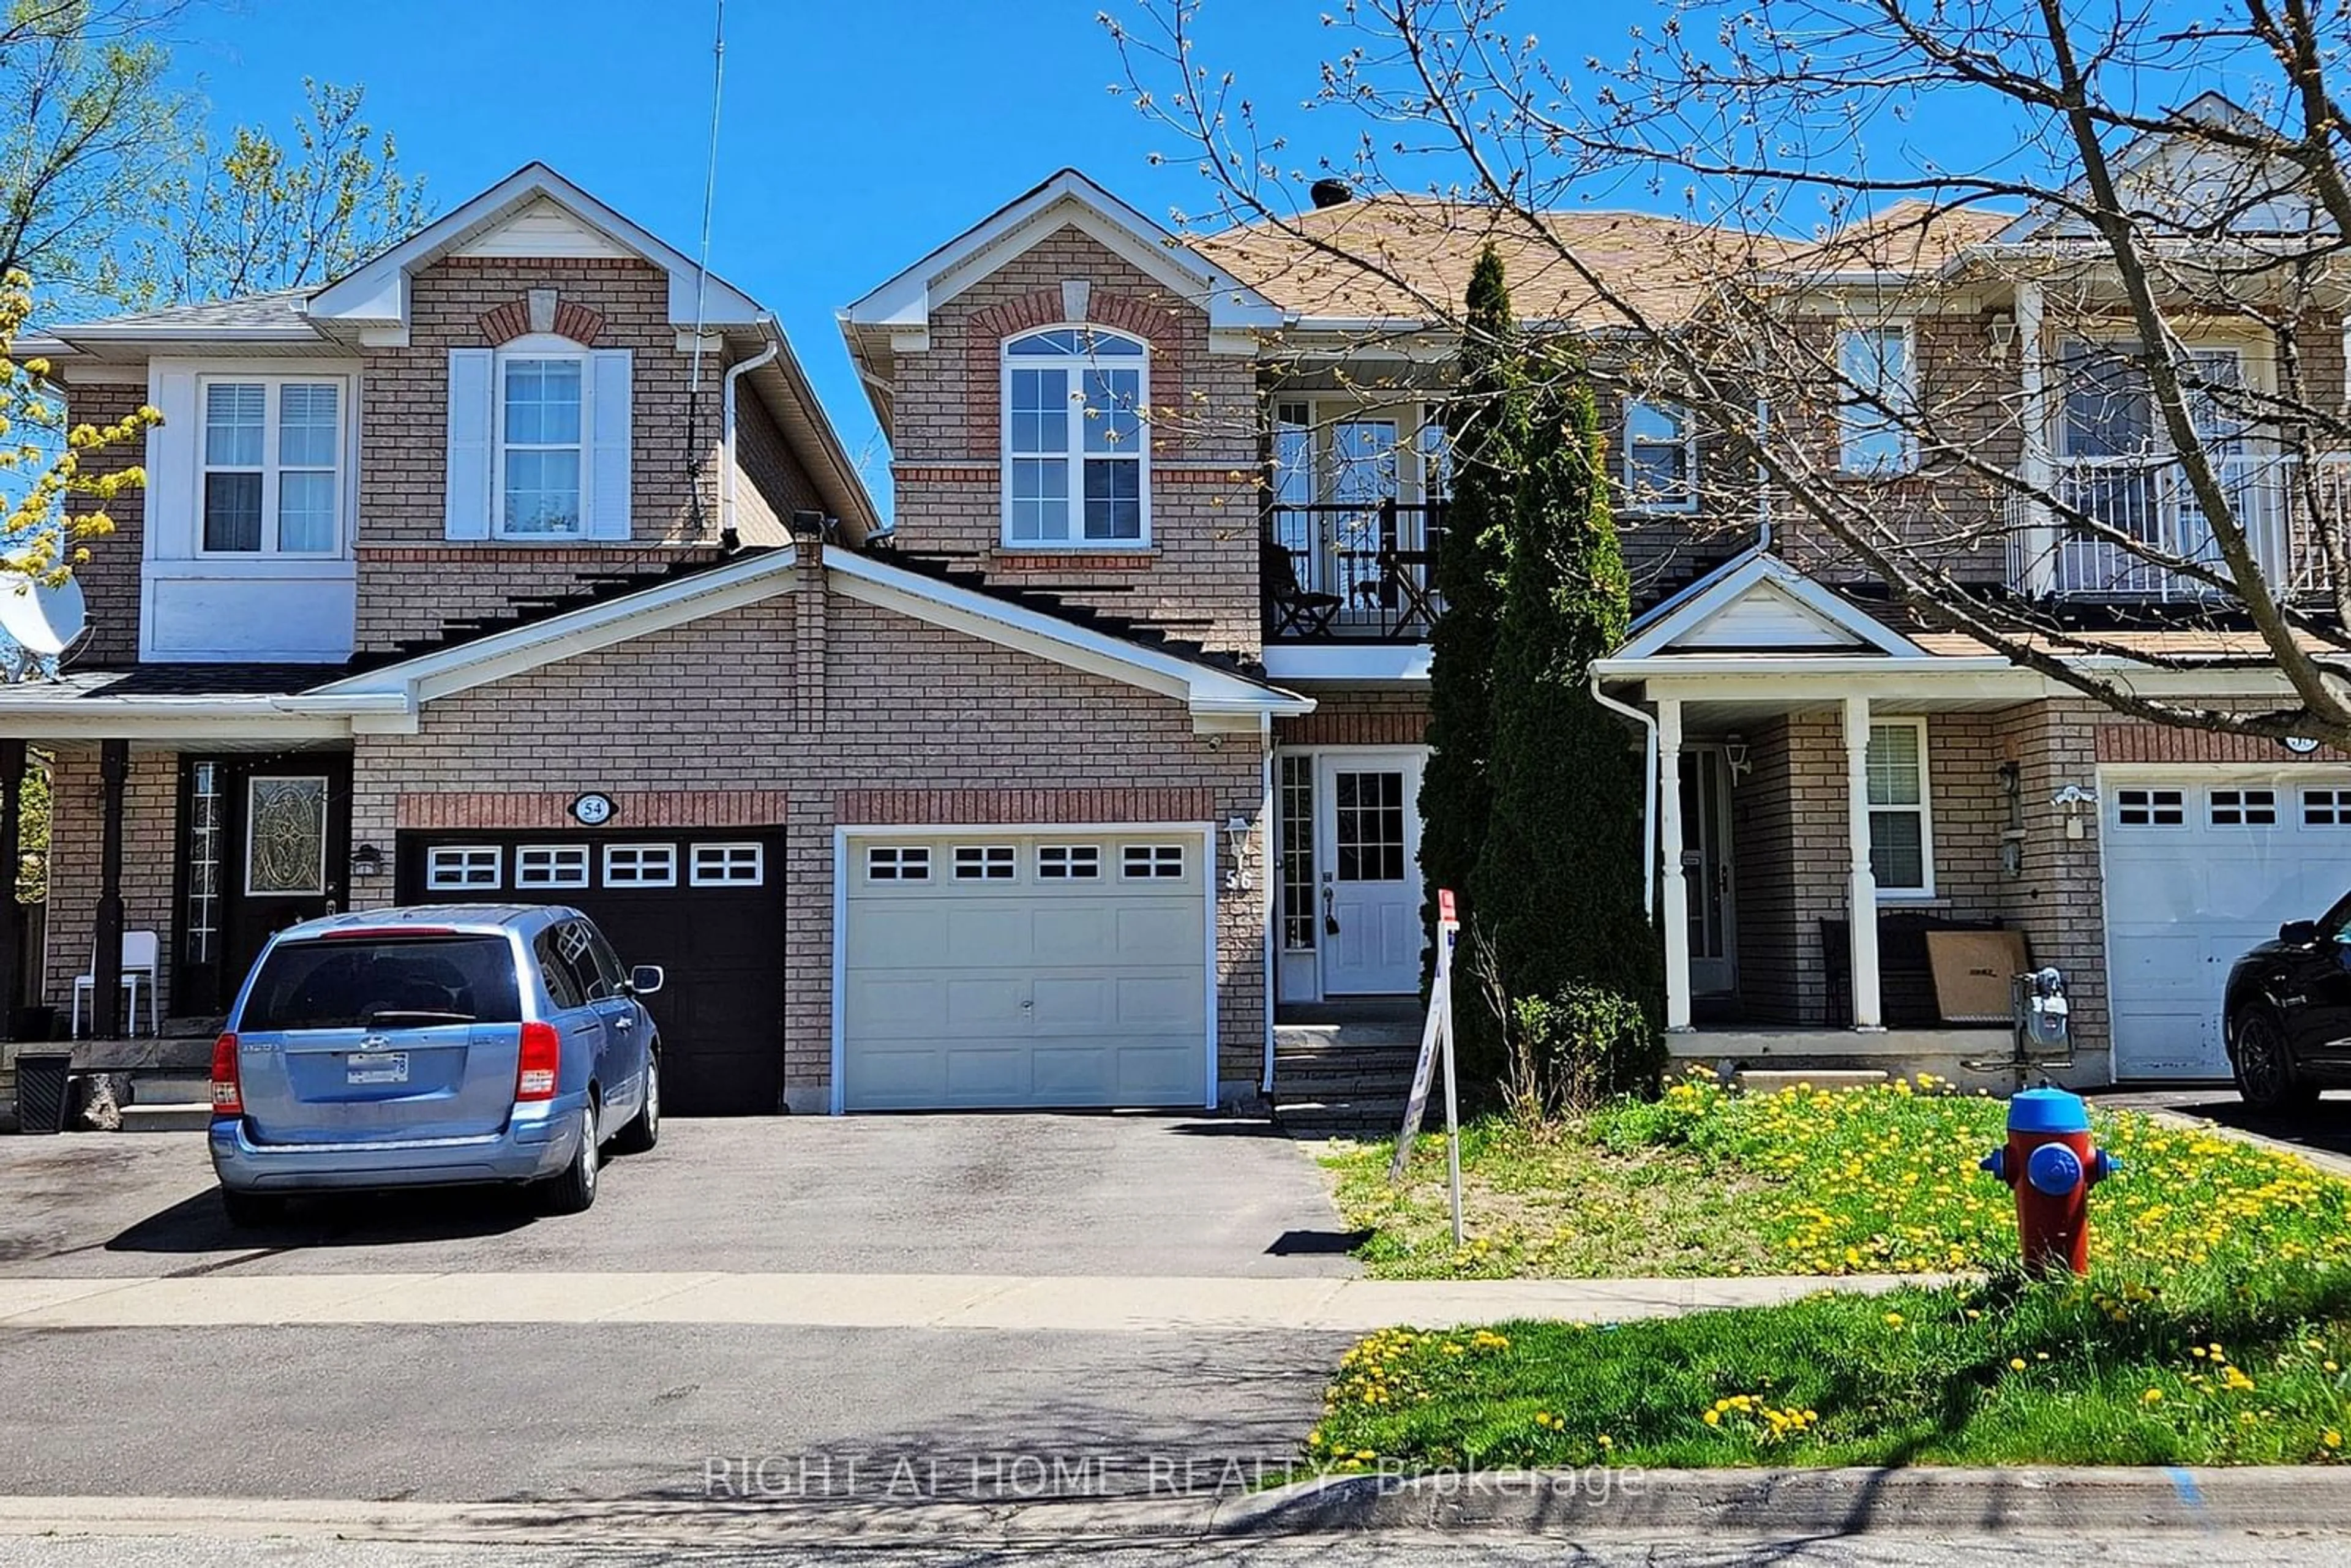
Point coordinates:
[[857, 134]]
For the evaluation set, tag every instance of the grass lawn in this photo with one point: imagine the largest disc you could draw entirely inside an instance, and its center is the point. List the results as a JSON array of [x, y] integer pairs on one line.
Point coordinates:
[[2214, 1328], [2200, 1370], [1857, 1181]]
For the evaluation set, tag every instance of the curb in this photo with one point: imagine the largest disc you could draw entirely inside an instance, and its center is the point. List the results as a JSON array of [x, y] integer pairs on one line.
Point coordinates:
[[2327, 1160], [1807, 1501], [1562, 1504]]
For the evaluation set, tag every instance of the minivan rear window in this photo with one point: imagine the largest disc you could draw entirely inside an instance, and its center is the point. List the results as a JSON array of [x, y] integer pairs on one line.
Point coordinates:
[[384, 983]]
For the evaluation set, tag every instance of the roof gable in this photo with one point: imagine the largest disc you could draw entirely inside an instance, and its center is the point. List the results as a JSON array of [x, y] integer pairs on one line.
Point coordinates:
[[1759, 604], [2191, 183], [530, 209], [1067, 200]]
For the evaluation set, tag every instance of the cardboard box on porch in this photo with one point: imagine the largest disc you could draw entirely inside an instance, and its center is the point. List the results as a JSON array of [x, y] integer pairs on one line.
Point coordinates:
[[1972, 970]]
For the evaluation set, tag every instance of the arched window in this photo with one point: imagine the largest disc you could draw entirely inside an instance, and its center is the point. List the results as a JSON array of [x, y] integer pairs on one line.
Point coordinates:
[[1075, 465]]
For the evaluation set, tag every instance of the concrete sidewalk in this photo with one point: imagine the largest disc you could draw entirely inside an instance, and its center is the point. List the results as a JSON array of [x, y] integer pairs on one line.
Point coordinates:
[[1089, 1304]]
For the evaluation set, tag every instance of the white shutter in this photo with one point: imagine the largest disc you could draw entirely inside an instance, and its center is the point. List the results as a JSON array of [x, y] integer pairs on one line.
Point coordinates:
[[170, 463], [609, 410], [465, 506]]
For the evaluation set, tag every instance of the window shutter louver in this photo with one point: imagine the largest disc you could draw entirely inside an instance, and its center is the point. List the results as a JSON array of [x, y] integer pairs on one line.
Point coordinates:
[[466, 505], [610, 407]]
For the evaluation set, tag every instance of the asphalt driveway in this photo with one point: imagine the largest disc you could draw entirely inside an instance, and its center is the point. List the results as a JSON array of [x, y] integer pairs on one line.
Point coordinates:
[[1031, 1194]]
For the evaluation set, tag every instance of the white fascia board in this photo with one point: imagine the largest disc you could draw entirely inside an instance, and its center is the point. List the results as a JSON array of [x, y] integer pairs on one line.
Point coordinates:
[[1069, 198], [582, 631], [1798, 678], [1755, 568], [377, 292], [1203, 690], [1402, 663], [193, 720]]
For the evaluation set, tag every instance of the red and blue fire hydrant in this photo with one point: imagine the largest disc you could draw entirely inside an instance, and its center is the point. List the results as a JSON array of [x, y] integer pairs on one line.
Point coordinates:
[[2052, 1164]]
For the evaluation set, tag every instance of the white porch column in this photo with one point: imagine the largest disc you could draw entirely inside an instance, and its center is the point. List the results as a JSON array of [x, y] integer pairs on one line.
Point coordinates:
[[1673, 901], [1862, 903], [2033, 547]]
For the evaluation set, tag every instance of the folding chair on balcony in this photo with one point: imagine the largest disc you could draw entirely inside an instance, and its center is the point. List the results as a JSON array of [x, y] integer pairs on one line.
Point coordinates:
[[1291, 609]]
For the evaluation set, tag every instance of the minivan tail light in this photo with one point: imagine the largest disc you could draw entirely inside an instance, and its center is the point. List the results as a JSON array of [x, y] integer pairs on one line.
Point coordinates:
[[229, 1089], [537, 1068]]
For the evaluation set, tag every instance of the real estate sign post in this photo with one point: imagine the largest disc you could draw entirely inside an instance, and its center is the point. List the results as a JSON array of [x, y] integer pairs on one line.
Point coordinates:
[[1438, 1031]]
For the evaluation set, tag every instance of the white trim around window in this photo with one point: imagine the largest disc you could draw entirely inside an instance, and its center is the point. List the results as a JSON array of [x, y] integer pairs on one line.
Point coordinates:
[[1891, 779], [1878, 391], [727, 865], [1659, 434], [273, 462], [1076, 439], [452, 868], [542, 412], [550, 865]]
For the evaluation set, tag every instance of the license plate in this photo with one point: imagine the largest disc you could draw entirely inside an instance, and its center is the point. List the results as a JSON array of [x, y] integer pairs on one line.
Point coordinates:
[[378, 1067]]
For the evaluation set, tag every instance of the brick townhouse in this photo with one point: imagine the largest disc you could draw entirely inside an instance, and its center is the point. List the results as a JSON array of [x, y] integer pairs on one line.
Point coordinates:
[[465, 577]]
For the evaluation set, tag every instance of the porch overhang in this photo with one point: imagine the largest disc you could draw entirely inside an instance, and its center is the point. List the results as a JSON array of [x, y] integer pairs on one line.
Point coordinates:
[[55, 716]]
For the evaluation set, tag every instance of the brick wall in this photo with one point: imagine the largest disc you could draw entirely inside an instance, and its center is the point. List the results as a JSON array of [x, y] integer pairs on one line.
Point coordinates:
[[109, 581], [149, 858], [897, 720], [1789, 848], [1199, 578], [411, 578], [1359, 718]]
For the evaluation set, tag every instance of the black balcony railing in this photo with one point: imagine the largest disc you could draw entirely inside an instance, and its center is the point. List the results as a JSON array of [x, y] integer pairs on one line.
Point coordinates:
[[1351, 572]]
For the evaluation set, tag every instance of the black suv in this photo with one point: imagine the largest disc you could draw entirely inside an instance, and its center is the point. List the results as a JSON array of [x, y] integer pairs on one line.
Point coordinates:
[[2289, 1012]]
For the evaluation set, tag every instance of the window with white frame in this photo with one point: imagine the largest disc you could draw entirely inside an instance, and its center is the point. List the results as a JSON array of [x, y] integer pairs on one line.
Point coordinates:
[[986, 862], [1075, 463], [550, 865], [542, 446], [898, 863], [452, 868], [2243, 808], [2151, 809], [1876, 401], [722, 865], [640, 865], [1901, 836], [1151, 862], [1069, 862], [2326, 808], [1660, 457], [272, 466]]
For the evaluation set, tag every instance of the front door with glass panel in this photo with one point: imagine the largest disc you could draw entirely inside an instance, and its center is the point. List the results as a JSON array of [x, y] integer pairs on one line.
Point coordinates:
[[1705, 873], [1368, 822], [268, 844]]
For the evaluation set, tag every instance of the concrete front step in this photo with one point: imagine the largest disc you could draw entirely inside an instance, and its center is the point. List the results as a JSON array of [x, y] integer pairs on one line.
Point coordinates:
[[1372, 1117], [167, 1116], [1354, 1034]]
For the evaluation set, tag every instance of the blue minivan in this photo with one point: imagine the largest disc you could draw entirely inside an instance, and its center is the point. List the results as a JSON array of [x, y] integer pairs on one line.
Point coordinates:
[[432, 1046]]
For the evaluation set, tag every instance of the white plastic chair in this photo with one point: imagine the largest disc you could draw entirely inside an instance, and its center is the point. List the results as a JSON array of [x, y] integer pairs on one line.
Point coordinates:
[[142, 951]]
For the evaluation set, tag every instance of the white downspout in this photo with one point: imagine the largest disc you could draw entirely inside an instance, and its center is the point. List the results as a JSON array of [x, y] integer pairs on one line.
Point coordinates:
[[1648, 791], [1270, 862], [727, 424]]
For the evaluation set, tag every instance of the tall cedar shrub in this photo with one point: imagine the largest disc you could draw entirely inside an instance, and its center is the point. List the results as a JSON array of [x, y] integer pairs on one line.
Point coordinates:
[[1558, 883], [1486, 423]]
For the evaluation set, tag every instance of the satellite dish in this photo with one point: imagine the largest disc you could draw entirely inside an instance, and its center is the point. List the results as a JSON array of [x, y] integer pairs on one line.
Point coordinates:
[[43, 620]]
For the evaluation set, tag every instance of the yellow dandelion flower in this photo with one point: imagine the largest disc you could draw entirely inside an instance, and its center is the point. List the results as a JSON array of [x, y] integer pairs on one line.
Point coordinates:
[[2016, 1363]]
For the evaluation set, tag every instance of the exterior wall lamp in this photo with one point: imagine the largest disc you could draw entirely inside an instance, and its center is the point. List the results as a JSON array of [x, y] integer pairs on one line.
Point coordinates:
[[1735, 758], [2003, 337], [2072, 798], [367, 861]]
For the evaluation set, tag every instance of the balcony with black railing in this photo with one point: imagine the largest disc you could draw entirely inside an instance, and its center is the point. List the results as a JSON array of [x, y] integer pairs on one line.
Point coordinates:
[[1351, 572]]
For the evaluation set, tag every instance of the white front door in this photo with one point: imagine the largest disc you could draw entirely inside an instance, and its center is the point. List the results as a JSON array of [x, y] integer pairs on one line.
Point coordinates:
[[1368, 821], [1705, 873]]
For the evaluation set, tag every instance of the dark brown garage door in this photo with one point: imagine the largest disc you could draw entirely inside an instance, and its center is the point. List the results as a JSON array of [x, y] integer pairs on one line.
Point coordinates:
[[707, 906]]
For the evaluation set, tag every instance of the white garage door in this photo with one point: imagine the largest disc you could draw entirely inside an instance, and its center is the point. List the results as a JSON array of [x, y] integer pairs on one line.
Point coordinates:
[[1026, 969], [2200, 866]]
